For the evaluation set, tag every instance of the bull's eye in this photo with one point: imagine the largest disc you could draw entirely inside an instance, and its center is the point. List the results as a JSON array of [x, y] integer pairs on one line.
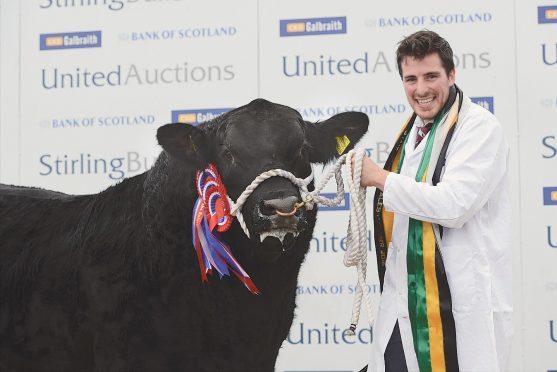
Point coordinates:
[[227, 153], [303, 153]]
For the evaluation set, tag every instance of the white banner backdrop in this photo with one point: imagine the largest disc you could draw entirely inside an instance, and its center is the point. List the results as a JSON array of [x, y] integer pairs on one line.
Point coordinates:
[[96, 84], [536, 32], [85, 84], [354, 68]]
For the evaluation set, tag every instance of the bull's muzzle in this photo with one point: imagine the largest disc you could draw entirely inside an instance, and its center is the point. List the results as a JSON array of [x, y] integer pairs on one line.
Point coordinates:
[[280, 218]]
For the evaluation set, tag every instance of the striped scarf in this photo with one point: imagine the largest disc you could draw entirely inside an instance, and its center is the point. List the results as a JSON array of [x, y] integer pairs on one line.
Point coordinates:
[[429, 297]]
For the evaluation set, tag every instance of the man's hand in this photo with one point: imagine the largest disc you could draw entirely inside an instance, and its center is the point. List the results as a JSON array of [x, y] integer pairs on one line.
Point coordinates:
[[372, 174]]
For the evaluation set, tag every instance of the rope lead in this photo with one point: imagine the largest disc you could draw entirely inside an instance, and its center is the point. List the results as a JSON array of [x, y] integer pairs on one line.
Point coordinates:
[[356, 252]]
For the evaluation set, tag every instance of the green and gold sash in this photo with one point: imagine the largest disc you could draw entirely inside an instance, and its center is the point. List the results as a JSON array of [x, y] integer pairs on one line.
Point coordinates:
[[429, 297]]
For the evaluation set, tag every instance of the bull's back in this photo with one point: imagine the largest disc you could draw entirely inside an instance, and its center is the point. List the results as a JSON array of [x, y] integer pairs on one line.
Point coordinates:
[[10, 191], [24, 209], [34, 219]]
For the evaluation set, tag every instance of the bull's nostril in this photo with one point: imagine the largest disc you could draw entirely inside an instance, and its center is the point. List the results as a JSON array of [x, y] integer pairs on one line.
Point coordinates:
[[283, 205], [266, 210]]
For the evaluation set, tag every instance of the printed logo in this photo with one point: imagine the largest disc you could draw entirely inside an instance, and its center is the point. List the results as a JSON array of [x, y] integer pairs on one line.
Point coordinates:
[[547, 14], [319, 112], [198, 116], [304, 334], [107, 121], [426, 20], [548, 57], [550, 195], [312, 26], [70, 40], [329, 242], [485, 102], [114, 5], [552, 242], [86, 77], [550, 144], [333, 289], [85, 164], [178, 34]]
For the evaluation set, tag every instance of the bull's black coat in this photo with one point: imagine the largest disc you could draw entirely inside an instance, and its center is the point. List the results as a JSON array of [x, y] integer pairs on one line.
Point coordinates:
[[110, 282]]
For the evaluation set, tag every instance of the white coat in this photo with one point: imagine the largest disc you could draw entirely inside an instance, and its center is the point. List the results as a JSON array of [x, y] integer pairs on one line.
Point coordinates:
[[472, 203]]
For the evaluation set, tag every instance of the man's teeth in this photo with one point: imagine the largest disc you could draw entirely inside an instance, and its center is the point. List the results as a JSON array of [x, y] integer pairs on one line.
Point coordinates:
[[279, 234], [424, 101]]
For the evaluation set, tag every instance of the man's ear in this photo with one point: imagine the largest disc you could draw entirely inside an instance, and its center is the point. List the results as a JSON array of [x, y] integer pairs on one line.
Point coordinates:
[[336, 136], [184, 142]]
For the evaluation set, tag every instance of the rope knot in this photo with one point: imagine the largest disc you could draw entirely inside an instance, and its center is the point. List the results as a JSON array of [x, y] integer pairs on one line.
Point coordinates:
[[308, 201]]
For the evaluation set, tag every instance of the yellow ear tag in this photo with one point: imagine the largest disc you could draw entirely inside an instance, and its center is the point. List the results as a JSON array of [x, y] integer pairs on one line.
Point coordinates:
[[342, 144]]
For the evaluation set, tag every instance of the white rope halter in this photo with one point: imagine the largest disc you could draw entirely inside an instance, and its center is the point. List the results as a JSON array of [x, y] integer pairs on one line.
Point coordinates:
[[356, 252]]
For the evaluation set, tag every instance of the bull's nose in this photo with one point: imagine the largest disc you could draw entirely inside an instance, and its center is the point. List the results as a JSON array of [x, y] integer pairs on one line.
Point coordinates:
[[278, 217], [282, 206]]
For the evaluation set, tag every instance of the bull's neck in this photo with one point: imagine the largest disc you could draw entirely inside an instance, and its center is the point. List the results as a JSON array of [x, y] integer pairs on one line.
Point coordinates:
[[168, 196]]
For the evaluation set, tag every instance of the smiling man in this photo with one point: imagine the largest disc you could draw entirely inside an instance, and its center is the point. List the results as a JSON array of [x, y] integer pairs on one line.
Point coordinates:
[[442, 226]]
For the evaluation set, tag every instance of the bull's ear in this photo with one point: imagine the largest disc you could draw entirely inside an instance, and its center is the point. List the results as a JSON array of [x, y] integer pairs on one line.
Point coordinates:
[[331, 138], [184, 142]]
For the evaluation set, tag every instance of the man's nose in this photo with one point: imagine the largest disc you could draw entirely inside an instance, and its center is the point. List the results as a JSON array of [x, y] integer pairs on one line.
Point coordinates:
[[421, 87]]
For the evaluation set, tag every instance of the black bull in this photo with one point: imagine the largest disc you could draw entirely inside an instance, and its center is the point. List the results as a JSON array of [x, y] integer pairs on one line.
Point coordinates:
[[110, 281]]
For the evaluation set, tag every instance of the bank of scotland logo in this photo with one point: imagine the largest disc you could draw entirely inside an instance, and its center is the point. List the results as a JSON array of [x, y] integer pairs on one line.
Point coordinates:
[[197, 116], [547, 14], [70, 40], [550, 195], [312, 26]]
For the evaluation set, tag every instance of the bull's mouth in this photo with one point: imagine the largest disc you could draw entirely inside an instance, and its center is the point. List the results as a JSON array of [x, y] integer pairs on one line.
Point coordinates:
[[277, 232], [275, 243], [280, 234]]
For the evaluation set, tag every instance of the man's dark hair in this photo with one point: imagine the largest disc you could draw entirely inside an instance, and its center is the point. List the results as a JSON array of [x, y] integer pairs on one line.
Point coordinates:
[[423, 43]]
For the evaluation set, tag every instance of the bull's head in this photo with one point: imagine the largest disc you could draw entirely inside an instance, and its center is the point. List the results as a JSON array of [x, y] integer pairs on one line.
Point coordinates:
[[258, 137]]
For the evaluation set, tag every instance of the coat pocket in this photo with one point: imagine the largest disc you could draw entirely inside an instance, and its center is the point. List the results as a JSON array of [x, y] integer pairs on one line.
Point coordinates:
[[461, 270]]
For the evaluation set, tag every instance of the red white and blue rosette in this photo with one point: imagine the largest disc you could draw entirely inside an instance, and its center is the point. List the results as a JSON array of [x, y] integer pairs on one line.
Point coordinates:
[[211, 216]]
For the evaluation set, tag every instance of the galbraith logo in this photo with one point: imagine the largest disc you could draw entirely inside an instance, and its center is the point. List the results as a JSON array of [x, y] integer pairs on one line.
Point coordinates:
[[197, 116], [70, 40], [312, 26], [485, 102], [547, 14], [550, 195]]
